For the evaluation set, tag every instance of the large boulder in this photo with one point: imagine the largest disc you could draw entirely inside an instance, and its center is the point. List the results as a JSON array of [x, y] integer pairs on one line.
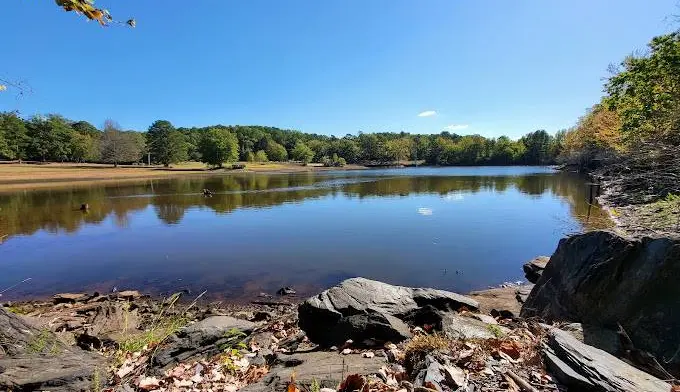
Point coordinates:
[[360, 308], [585, 368], [603, 279]]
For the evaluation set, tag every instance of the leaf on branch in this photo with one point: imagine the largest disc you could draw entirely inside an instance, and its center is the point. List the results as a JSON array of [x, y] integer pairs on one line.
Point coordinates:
[[3, 87], [88, 9]]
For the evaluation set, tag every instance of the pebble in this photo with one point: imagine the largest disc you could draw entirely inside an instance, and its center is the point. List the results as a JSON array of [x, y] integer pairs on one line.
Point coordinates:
[[346, 351], [368, 354]]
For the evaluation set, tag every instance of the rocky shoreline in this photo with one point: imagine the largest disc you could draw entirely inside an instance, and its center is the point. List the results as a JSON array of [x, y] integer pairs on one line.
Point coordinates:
[[600, 315]]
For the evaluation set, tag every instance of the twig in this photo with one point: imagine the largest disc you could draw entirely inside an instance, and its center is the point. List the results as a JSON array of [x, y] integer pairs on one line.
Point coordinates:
[[524, 384], [14, 285]]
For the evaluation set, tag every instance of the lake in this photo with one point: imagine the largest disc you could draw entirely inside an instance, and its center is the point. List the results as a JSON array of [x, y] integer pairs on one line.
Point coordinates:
[[457, 229]]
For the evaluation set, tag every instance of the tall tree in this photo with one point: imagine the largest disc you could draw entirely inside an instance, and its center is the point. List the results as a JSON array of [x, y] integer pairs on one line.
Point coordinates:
[[301, 152], [166, 144], [218, 146], [645, 91], [50, 138], [13, 131], [276, 152], [117, 146]]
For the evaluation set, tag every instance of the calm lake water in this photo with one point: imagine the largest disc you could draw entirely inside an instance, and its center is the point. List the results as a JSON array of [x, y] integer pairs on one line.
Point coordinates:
[[451, 228]]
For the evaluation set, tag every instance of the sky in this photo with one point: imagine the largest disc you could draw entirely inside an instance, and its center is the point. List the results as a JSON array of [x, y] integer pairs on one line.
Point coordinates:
[[489, 67]]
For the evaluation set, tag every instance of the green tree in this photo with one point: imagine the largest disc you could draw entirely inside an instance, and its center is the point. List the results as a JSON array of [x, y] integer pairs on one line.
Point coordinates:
[[83, 148], [276, 152], [302, 153], [166, 144], [399, 149], [538, 148], [250, 157], [261, 156], [50, 138], [645, 92], [217, 146], [13, 131]]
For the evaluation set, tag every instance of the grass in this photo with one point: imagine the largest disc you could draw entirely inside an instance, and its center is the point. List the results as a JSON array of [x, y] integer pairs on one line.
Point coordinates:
[[162, 327], [43, 342], [428, 343]]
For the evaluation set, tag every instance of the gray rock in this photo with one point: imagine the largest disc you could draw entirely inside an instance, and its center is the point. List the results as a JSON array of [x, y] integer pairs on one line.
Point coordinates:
[[586, 368], [459, 327], [432, 374], [319, 316], [203, 338], [522, 293], [37, 360], [601, 279], [326, 368], [534, 268]]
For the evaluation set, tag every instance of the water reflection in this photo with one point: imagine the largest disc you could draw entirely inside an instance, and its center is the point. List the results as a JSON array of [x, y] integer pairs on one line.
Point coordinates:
[[307, 230]]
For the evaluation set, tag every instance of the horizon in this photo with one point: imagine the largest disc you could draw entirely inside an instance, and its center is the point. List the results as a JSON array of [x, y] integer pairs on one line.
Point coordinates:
[[420, 69]]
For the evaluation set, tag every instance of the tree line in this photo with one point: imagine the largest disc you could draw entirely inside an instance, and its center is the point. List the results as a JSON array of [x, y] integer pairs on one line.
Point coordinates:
[[55, 138]]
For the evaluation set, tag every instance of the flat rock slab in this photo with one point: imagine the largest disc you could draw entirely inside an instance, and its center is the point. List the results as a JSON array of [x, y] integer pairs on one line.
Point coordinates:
[[502, 298], [201, 338], [321, 316], [324, 367], [69, 297], [34, 359], [67, 371], [586, 368]]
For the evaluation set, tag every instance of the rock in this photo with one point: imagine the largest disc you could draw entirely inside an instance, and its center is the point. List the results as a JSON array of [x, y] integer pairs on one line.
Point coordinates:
[[286, 291], [602, 338], [129, 294], [483, 318], [113, 321], [326, 368], [204, 338], [333, 316], [433, 374], [70, 298], [534, 268], [601, 279], [466, 328], [503, 314], [586, 368], [522, 293], [36, 360], [502, 298]]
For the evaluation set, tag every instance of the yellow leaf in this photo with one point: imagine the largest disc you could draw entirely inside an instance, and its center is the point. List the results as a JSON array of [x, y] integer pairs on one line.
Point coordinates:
[[3, 87]]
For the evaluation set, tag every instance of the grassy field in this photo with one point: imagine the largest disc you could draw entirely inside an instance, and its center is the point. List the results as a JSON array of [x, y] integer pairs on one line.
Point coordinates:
[[14, 176]]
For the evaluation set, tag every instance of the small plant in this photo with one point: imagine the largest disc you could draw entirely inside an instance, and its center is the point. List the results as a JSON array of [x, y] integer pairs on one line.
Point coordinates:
[[428, 343], [43, 342], [315, 386], [495, 330]]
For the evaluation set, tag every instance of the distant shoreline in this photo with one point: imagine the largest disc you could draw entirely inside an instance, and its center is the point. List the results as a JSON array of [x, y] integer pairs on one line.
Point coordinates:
[[15, 176]]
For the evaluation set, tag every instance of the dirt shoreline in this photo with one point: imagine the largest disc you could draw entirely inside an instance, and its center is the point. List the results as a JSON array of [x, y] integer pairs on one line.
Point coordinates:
[[14, 177]]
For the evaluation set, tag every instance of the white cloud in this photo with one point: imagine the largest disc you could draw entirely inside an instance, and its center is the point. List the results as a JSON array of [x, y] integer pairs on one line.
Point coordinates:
[[427, 113], [425, 211], [453, 196], [455, 127]]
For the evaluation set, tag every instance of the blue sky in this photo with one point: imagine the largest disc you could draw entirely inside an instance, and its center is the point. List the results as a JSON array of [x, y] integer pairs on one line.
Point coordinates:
[[332, 66]]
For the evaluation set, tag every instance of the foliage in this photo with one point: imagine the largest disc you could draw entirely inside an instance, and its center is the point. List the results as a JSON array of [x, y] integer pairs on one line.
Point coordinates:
[[495, 330], [88, 9], [218, 146], [276, 152], [117, 146], [302, 153], [56, 138], [261, 156], [166, 144], [645, 93]]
